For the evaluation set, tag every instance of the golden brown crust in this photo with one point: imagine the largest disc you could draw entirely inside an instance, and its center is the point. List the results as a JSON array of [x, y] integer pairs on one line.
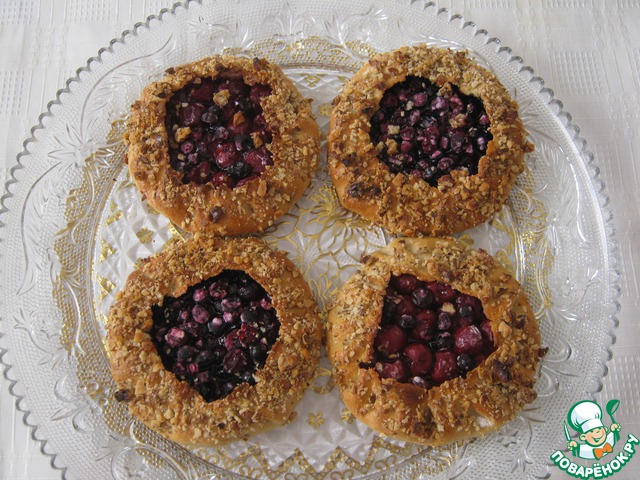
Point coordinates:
[[489, 396], [405, 204], [175, 409], [246, 209]]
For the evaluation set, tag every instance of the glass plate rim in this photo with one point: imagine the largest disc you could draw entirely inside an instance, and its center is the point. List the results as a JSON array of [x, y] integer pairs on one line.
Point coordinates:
[[547, 94]]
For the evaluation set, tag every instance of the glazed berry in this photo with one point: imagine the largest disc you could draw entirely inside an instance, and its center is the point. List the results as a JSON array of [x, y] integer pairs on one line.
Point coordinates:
[[418, 358], [422, 297], [445, 321], [445, 367], [468, 340], [428, 131], [395, 370], [217, 334], [390, 340], [404, 283], [404, 305], [407, 322], [425, 325], [176, 337], [429, 333], [465, 362], [217, 132], [442, 293]]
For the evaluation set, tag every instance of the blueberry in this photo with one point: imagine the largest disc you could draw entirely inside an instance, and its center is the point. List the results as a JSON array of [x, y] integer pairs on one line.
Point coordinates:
[[217, 334], [451, 127]]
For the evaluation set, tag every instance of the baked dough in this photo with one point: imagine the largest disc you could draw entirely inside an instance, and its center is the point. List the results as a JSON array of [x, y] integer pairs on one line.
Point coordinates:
[[220, 209], [489, 396], [175, 409], [403, 203]]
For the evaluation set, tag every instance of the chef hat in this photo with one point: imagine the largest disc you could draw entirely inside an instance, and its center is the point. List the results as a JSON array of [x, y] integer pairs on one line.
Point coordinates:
[[585, 415]]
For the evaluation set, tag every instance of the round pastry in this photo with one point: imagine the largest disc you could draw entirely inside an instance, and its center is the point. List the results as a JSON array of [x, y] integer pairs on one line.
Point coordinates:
[[424, 141], [214, 340], [433, 342], [223, 144]]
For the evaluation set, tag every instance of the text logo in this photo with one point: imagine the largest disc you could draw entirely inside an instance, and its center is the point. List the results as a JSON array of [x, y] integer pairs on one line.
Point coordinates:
[[596, 441]]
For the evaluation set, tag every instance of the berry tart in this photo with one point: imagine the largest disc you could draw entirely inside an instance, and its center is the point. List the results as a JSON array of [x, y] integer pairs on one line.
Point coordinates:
[[214, 340], [425, 141], [433, 342], [224, 144]]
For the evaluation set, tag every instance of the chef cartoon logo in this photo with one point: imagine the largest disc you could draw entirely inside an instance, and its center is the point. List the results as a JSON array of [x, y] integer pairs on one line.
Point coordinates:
[[595, 441], [585, 417]]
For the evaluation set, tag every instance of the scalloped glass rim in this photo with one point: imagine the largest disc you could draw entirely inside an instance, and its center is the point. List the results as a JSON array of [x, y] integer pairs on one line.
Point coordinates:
[[546, 94]]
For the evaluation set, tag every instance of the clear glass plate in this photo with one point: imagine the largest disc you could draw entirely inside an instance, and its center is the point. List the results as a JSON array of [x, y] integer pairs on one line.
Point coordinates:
[[74, 227]]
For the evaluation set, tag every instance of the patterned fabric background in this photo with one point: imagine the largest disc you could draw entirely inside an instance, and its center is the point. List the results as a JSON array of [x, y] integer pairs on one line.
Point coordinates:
[[587, 51]]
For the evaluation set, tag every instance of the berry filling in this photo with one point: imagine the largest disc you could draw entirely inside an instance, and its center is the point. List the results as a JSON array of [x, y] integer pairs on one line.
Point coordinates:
[[427, 131], [217, 334], [429, 333], [217, 132]]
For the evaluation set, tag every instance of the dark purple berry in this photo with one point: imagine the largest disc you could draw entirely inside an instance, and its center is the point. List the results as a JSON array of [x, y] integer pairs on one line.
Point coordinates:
[[209, 116], [230, 304], [258, 352], [200, 294], [442, 341], [422, 297], [248, 316], [487, 333], [235, 361], [185, 353], [248, 292], [444, 321], [468, 340], [265, 303], [176, 337], [465, 362], [442, 128], [200, 314], [216, 325], [212, 337], [407, 322]]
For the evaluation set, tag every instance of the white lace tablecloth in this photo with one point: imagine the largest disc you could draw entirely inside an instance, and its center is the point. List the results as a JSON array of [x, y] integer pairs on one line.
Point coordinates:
[[587, 51]]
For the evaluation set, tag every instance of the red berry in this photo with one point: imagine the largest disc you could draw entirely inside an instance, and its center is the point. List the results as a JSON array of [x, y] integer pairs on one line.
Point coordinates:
[[468, 340], [404, 283], [425, 325], [445, 367], [226, 154], [190, 115], [435, 330], [393, 370], [405, 306], [441, 292], [418, 358], [390, 340]]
